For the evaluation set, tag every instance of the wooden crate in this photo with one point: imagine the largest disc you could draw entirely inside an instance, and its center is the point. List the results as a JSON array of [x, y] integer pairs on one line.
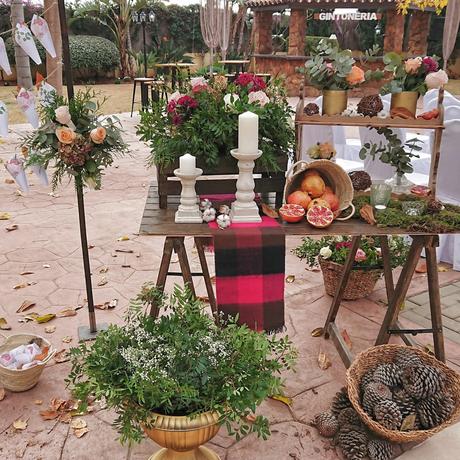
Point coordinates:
[[208, 184]]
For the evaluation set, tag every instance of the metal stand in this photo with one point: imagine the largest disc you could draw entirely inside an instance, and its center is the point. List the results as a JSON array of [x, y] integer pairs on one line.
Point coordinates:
[[84, 333]]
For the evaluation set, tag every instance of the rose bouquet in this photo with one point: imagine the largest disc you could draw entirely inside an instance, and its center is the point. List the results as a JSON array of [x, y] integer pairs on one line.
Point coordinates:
[[75, 139], [417, 74], [204, 121]]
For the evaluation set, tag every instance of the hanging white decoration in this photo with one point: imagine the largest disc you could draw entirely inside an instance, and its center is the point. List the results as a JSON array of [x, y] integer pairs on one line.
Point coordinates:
[[26, 101], [40, 29], [25, 40], [46, 94], [4, 62], [41, 173], [3, 119], [15, 166]]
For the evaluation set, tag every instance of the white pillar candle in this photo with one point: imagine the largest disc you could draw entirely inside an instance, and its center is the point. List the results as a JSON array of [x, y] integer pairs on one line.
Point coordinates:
[[187, 164], [248, 133]]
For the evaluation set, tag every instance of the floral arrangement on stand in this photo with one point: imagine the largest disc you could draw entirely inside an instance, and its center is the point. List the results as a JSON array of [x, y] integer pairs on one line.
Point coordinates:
[[204, 121], [321, 150], [438, 5], [182, 363], [76, 139]]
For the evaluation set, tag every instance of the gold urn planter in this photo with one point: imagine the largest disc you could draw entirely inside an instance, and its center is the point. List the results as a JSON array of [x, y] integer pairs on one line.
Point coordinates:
[[334, 101], [406, 99], [182, 438]]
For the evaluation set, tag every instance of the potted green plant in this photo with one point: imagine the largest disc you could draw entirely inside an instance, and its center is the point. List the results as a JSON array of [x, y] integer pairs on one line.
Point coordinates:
[[396, 154], [331, 252], [411, 78], [179, 376]]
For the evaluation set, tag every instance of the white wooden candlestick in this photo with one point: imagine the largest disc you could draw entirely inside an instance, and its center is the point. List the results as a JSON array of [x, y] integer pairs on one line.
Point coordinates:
[[188, 211], [245, 209]]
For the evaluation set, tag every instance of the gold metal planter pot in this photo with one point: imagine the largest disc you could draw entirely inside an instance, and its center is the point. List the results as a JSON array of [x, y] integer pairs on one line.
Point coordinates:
[[406, 99], [182, 438], [334, 101]]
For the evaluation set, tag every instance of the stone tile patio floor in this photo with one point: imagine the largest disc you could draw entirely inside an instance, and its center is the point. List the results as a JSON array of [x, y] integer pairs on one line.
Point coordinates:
[[47, 244]]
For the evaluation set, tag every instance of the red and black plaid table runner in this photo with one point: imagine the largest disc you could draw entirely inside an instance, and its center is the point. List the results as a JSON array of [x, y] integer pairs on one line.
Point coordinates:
[[250, 269]]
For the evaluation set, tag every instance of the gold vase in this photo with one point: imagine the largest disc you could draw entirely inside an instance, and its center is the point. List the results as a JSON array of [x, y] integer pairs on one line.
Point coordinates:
[[182, 437], [406, 99], [334, 101]]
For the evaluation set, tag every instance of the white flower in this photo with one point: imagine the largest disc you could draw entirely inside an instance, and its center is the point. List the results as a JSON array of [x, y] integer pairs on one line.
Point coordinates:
[[63, 116], [325, 252], [198, 82], [435, 80], [230, 99], [175, 96], [258, 97]]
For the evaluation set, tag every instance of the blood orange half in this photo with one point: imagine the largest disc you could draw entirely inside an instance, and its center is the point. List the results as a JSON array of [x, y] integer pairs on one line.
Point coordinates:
[[320, 216], [291, 212]]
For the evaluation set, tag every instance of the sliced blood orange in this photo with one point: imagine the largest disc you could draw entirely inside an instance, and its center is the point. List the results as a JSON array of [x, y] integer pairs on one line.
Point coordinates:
[[320, 216], [291, 212]]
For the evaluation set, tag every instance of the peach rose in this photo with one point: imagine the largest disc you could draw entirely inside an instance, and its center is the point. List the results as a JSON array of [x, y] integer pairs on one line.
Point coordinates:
[[65, 135], [356, 76], [412, 65], [98, 135]]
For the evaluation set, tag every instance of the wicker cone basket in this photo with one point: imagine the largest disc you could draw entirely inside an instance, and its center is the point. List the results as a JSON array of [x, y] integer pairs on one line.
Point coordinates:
[[360, 283], [334, 176], [17, 380], [374, 356]]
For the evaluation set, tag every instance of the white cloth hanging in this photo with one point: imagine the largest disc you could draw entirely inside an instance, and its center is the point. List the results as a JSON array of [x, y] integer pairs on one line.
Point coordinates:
[[433, 94]]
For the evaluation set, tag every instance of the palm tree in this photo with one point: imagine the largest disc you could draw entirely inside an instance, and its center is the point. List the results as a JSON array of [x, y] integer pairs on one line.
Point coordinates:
[[54, 66], [23, 73]]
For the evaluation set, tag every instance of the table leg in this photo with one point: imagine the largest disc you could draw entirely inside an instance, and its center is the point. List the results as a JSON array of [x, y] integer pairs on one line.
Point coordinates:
[[400, 292], [144, 96], [207, 279], [134, 96], [179, 249], [435, 298], [163, 272], [342, 284], [387, 271]]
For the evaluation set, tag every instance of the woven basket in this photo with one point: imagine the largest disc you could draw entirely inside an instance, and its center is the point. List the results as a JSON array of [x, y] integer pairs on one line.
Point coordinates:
[[334, 176], [374, 356], [360, 283], [17, 379]]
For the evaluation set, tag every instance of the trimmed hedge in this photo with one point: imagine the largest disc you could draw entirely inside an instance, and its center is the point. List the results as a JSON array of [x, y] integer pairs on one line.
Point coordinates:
[[87, 52]]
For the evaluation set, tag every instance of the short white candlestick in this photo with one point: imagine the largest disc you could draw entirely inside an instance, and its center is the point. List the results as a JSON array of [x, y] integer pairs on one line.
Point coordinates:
[[245, 209], [188, 211]]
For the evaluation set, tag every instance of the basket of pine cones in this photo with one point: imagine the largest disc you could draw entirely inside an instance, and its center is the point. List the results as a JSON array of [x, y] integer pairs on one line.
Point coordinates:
[[402, 393]]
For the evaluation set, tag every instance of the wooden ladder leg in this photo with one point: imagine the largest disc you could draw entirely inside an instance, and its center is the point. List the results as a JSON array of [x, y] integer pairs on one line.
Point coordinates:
[[435, 298], [179, 248], [342, 284], [207, 279], [163, 272], [400, 292]]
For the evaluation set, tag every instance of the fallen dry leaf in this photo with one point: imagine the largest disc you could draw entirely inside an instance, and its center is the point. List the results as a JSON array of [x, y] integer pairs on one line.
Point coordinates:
[[2, 394], [80, 432], [38, 402], [123, 238], [46, 266], [67, 339], [346, 339], [317, 332], [107, 305], [251, 418], [78, 307], [103, 270], [18, 193], [126, 266], [442, 269], [428, 348], [66, 312], [323, 361], [4, 326], [23, 285], [25, 306], [65, 417], [269, 212], [126, 251], [9, 181], [49, 414], [20, 424], [78, 423], [26, 273], [91, 246], [5, 216], [290, 279], [284, 399], [50, 329], [44, 318], [62, 356], [12, 228], [103, 281]]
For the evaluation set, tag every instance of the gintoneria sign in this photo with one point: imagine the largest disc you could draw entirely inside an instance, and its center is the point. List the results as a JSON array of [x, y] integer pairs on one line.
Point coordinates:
[[349, 15]]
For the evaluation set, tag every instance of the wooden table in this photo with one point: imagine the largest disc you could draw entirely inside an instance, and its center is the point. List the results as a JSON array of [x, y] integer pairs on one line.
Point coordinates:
[[235, 64], [160, 222], [173, 68], [143, 81]]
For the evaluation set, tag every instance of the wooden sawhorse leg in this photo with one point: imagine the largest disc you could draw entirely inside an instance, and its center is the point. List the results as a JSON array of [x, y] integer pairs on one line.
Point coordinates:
[[199, 242]]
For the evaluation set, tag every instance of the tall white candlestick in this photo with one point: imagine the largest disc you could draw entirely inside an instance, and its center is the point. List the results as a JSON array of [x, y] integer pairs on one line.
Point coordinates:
[[248, 133], [187, 164]]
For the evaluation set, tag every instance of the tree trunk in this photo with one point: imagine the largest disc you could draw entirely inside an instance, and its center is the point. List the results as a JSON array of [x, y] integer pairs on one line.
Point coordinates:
[[132, 61], [54, 66], [242, 27], [24, 76]]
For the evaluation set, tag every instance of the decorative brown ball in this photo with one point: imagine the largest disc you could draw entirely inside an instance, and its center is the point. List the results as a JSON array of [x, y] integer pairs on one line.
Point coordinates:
[[370, 106], [311, 109], [360, 180], [434, 206]]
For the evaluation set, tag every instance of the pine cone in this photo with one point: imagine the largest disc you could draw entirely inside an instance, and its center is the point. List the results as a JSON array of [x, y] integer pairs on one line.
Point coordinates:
[[375, 392], [326, 424], [360, 180], [404, 401], [340, 402], [367, 378], [434, 206], [370, 106], [349, 417], [388, 374], [406, 357], [311, 109], [379, 449], [435, 410], [387, 413], [353, 442], [422, 381]]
